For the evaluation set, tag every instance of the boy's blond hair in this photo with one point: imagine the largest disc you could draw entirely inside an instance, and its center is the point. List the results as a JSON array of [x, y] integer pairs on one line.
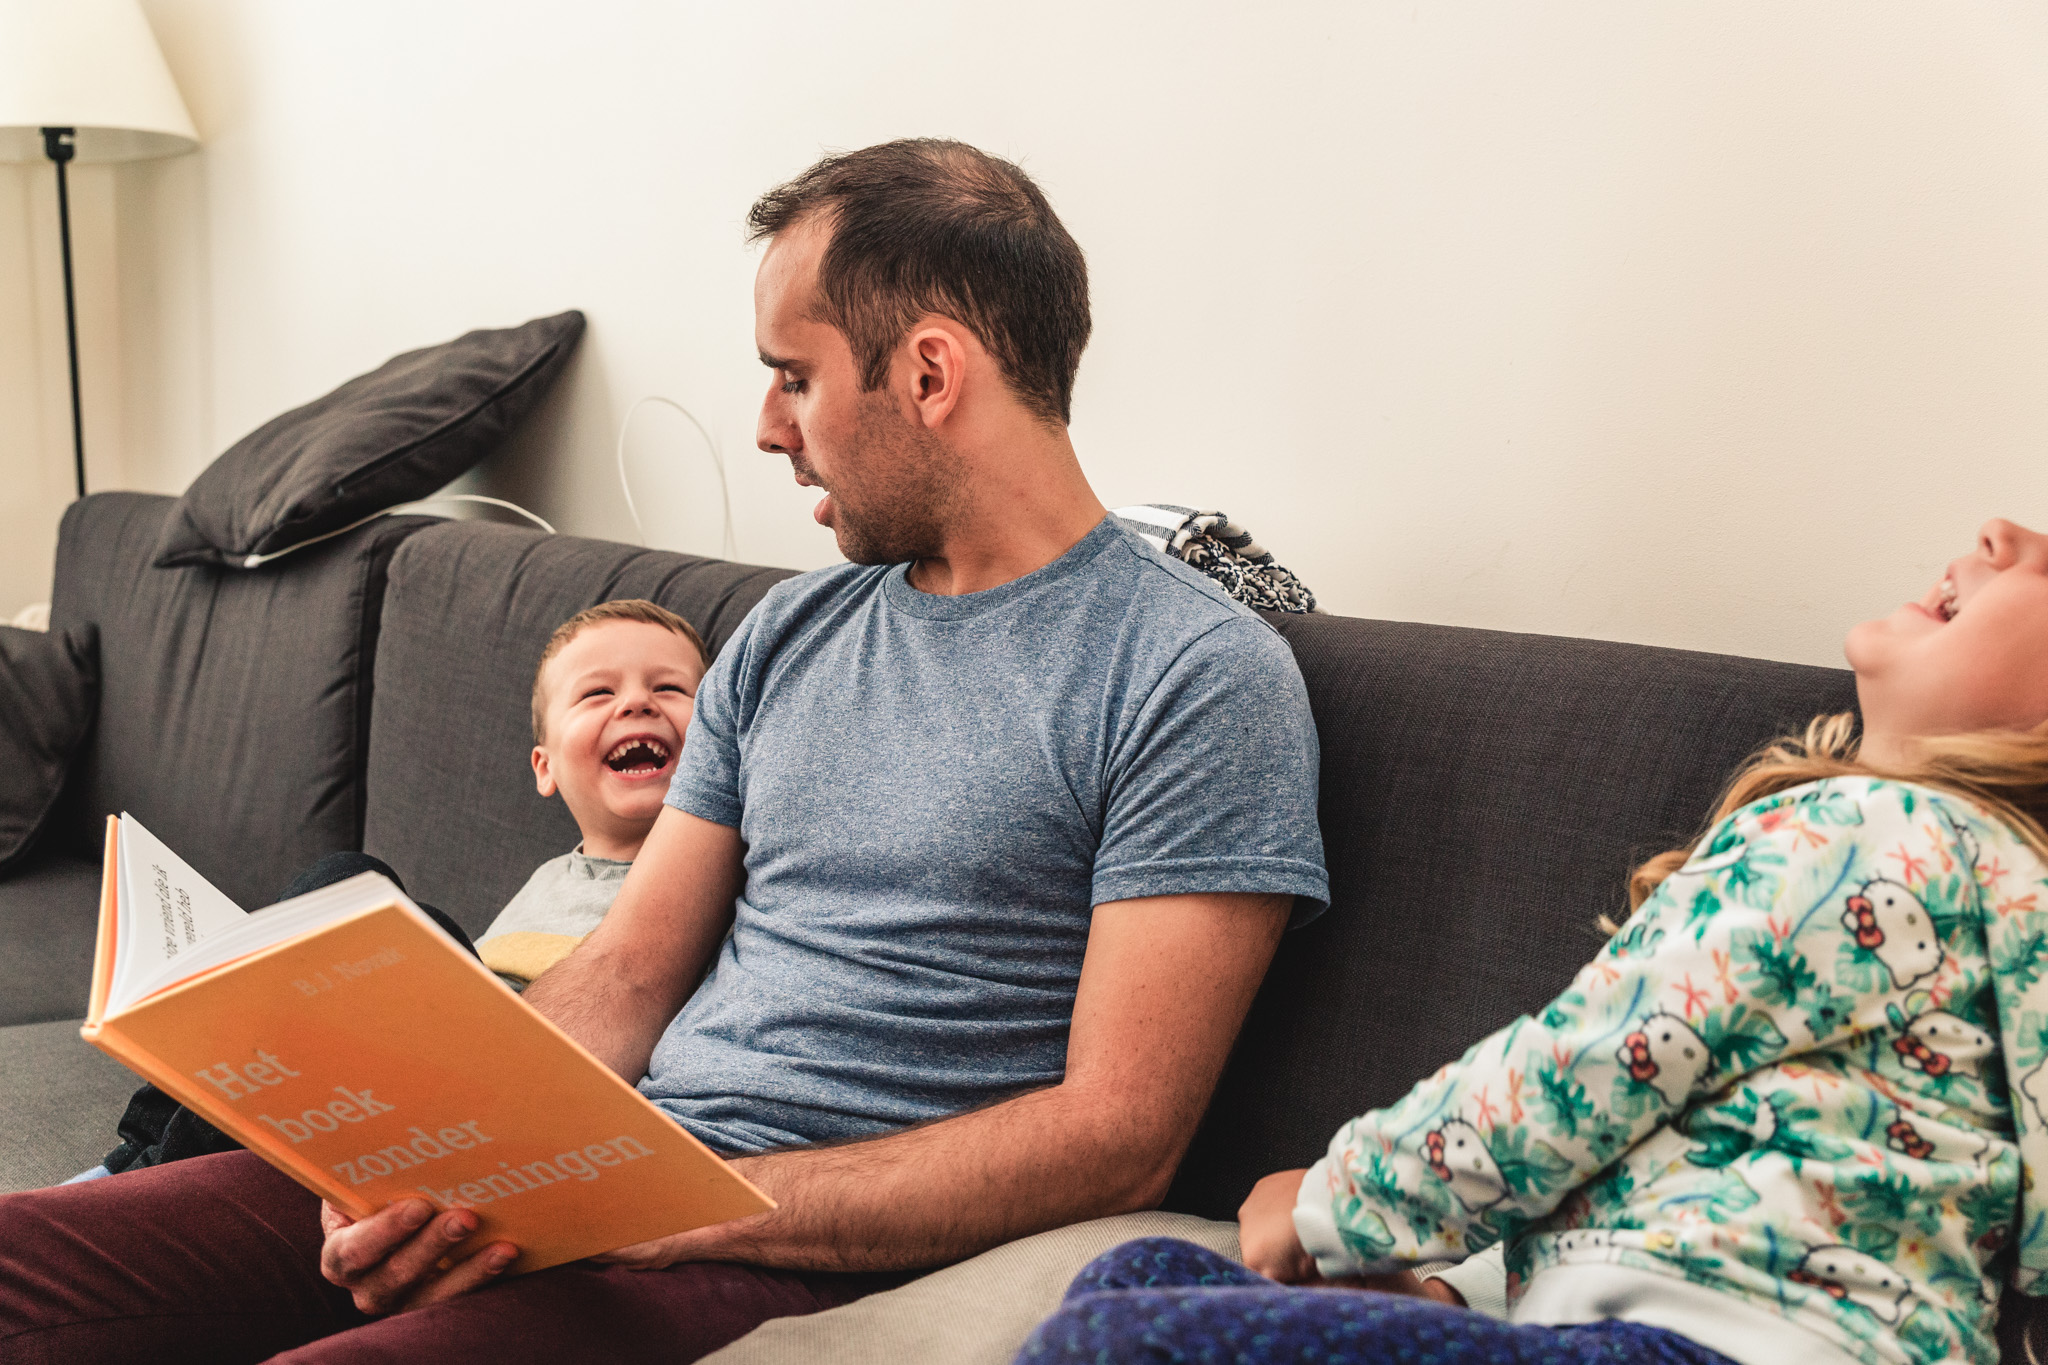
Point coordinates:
[[624, 609]]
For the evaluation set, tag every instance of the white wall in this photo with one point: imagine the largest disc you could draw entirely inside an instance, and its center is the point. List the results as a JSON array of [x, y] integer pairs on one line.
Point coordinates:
[[1715, 326]]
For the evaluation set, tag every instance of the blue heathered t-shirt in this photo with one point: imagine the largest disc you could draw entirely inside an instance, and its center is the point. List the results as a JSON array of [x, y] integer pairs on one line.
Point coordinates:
[[935, 793]]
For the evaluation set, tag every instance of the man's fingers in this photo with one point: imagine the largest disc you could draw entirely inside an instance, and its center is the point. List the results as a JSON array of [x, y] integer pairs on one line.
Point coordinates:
[[353, 1250], [413, 1265], [395, 1257], [474, 1271]]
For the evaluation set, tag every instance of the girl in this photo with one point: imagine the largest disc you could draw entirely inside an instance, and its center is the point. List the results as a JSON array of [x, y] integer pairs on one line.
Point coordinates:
[[1797, 1109]]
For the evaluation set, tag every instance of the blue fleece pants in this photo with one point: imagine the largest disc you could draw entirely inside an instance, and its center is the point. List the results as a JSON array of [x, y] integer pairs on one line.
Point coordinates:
[[1163, 1300]]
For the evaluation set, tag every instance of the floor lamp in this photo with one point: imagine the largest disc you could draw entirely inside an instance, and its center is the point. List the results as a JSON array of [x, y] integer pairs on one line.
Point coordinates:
[[84, 80]]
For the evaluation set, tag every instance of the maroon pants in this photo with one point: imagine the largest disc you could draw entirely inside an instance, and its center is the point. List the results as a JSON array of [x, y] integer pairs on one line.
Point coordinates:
[[216, 1259]]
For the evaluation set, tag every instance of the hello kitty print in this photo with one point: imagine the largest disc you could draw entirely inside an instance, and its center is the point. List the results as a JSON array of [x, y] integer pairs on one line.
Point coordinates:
[[1807, 1073]]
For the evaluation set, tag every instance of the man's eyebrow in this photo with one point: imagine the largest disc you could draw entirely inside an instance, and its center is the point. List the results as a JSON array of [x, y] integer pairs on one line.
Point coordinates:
[[775, 362]]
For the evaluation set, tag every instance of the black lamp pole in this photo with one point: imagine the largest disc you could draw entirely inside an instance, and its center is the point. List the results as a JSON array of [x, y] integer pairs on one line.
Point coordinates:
[[60, 146]]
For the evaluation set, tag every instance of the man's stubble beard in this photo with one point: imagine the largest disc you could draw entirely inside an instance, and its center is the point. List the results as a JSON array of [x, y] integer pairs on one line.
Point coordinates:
[[898, 490]]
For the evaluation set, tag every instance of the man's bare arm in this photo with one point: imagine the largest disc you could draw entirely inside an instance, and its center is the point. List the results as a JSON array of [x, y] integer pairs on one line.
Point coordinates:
[[621, 987], [1164, 988]]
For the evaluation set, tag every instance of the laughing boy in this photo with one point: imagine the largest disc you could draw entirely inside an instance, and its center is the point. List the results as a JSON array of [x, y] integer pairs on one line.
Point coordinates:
[[611, 700]]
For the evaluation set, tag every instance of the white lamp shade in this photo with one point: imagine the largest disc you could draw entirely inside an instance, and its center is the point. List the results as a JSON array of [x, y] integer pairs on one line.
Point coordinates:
[[92, 65]]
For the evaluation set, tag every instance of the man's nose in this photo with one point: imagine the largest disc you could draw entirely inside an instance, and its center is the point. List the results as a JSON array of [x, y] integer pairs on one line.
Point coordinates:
[[775, 432]]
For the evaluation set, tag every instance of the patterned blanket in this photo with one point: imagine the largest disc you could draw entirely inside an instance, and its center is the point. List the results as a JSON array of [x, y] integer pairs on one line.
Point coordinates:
[[1220, 548]]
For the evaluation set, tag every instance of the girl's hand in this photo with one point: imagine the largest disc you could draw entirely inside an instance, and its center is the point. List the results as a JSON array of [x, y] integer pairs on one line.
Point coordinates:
[[1269, 1245], [1266, 1234], [1404, 1282]]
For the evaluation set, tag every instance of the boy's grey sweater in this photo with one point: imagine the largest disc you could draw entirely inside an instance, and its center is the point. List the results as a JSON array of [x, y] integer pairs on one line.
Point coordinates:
[[565, 896]]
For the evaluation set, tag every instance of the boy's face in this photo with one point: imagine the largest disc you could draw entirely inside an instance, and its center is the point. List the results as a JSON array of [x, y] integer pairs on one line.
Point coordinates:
[[618, 699]]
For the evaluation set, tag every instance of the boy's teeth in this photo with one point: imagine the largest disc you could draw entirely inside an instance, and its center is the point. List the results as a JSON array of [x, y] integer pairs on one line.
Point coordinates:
[[650, 753]]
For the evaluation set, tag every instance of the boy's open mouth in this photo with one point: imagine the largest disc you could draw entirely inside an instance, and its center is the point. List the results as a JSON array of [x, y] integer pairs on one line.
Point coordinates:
[[637, 757]]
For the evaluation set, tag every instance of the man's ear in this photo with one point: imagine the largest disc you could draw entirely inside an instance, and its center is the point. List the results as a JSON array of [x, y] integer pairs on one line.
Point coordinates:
[[939, 357], [543, 776]]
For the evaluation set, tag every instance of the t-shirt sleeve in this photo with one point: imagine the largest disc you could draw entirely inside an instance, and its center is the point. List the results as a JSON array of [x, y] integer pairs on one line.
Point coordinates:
[[707, 780], [1212, 784]]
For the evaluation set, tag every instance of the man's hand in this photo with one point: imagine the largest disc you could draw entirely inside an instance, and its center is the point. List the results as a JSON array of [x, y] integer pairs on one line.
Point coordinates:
[[394, 1259]]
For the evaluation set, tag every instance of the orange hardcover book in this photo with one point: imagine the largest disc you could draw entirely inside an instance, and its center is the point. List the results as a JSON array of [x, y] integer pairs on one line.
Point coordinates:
[[346, 1040]]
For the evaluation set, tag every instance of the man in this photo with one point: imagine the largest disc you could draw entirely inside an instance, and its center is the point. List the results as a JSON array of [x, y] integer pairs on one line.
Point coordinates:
[[1004, 817]]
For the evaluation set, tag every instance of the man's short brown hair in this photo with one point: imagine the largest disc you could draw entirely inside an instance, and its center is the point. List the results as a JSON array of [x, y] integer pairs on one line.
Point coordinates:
[[624, 609], [925, 226]]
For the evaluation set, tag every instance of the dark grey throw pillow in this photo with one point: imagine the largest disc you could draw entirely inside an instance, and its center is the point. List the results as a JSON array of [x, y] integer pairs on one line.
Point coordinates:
[[395, 434], [49, 693]]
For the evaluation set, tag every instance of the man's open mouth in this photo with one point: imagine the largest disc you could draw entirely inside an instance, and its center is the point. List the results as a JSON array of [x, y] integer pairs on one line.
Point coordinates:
[[637, 757]]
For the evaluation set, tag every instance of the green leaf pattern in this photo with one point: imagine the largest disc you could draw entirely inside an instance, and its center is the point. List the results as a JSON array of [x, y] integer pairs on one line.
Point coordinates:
[[1809, 1069]]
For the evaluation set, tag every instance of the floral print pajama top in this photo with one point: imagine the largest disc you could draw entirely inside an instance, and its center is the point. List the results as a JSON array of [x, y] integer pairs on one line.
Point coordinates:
[[1811, 1072]]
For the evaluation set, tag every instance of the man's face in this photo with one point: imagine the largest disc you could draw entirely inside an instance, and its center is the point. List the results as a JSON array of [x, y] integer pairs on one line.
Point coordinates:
[[890, 483]]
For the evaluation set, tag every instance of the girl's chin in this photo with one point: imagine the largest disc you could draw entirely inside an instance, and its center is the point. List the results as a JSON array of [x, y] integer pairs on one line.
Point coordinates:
[[1869, 643]]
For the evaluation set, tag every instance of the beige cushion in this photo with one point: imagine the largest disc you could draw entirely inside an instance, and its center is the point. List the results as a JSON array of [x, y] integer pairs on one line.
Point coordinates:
[[974, 1313]]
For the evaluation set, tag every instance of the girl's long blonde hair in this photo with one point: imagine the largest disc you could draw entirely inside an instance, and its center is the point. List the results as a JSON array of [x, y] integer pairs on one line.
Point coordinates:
[[2005, 772]]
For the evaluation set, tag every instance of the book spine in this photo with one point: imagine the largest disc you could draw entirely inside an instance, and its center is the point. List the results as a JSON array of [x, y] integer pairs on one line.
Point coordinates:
[[110, 909], [110, 1039]]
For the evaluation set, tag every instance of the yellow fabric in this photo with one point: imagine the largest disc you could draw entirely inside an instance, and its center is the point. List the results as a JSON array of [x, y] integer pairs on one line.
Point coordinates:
[[526, 955]]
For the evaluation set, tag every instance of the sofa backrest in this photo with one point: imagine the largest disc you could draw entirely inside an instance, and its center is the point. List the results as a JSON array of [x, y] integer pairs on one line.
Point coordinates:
[[470, 606], [233, 703], [1484, 796]]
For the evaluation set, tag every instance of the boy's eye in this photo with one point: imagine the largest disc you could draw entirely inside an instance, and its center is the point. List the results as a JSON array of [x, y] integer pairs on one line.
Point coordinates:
[[673, 687], [597, 692]]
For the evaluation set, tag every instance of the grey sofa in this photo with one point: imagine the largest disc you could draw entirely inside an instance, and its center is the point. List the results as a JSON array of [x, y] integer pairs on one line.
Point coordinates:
[[1483, 795]]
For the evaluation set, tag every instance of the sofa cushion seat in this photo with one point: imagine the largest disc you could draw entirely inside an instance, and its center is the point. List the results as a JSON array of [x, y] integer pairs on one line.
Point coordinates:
[[49, 917], [63, 1097], [975, 1313]]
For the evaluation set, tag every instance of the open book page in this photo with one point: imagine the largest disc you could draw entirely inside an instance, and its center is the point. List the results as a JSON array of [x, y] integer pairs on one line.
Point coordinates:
[[166, 909], [278, 923]]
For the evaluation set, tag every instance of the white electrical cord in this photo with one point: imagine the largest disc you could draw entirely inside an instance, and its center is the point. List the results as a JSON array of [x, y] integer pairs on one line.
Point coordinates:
[[729, 547], [477, 497], [257, 561]]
